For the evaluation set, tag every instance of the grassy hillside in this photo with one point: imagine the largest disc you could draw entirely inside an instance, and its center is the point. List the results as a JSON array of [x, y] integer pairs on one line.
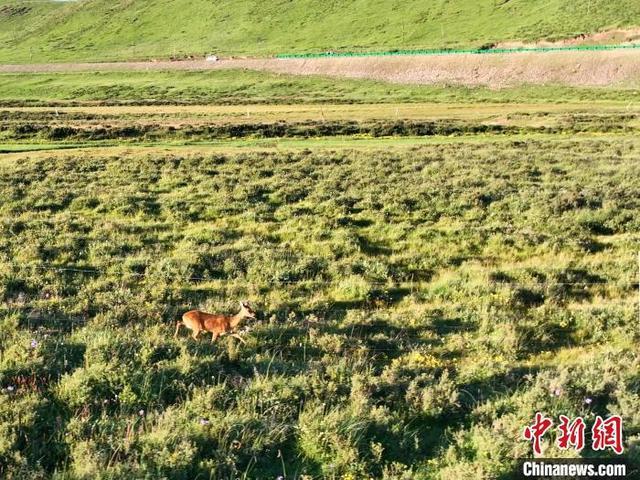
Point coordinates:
[[123, 29], [19, 19]]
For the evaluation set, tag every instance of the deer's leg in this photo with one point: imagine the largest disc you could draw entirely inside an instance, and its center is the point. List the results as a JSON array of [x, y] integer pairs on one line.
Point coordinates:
[[195, 334], [177, 328], [214, 336], [235, 335]]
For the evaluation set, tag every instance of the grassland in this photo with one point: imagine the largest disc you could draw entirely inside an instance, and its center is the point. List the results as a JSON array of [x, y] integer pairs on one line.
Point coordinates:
[[120, 30], [424, 284], [18, 17], [238, 109], [233, 128], [244, 87], [431, 265]]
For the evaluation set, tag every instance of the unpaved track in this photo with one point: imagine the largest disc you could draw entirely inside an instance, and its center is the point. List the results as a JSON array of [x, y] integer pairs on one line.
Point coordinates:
[[594, 68]]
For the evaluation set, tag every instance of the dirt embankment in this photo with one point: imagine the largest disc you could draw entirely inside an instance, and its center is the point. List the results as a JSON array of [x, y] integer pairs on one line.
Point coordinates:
[[606, 37], [582, 68]]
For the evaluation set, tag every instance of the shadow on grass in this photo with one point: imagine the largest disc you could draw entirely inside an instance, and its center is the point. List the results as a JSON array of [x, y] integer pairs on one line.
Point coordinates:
[[429, 431], [42, 441]]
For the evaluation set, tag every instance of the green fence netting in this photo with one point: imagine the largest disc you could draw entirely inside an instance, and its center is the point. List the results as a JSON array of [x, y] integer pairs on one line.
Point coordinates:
[[473, 51]]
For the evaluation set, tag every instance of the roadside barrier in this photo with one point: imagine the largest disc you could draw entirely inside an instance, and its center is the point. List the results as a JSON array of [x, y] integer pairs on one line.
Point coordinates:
[[469, 51]]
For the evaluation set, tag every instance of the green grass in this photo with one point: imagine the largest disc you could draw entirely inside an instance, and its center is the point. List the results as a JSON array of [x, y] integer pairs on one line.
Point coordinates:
[[19, 17], [419, 297], [121, 29], [248, 87], [417, 306]]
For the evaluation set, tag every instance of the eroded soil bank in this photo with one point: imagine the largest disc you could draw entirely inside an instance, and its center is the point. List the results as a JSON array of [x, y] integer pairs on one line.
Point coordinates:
[[582, 68]]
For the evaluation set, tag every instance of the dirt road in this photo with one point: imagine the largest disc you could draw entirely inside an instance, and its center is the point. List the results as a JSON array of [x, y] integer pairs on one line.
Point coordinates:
[[583, 68]]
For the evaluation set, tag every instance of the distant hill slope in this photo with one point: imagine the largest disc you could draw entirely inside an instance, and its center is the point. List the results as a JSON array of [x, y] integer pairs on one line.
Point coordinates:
[[18, 19], [37, 31]]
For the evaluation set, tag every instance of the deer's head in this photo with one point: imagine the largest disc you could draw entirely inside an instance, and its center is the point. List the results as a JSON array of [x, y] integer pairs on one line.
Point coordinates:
[[246, 311]]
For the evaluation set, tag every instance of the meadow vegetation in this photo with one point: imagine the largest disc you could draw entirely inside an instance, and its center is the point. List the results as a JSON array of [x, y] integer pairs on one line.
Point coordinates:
[[416, 307], [470, 259], [245, 87], [121, 30]]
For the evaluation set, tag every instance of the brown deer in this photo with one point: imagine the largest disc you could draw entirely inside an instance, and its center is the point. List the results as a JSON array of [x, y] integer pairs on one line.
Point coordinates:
[[217, 324]]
